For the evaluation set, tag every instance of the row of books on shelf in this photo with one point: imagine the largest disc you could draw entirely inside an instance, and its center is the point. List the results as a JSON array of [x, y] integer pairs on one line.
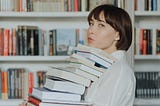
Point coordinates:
[[147, 41], [16, 83], [147, 84], [147, 5], [33, 41], [67, 85], [53, 5]]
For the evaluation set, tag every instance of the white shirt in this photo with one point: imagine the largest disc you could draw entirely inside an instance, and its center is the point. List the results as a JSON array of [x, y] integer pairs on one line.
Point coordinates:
[[116, 87]]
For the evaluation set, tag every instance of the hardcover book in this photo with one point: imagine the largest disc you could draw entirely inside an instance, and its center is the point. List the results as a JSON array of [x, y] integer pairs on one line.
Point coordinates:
[[101, 58], [56, 72], [64, 86], [45, 94]]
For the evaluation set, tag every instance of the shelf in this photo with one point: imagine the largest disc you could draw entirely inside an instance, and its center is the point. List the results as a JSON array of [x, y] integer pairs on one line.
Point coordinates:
[[147, 13], [33, 58], [147, 102], [44, 14], [10, 102], [147, 57]]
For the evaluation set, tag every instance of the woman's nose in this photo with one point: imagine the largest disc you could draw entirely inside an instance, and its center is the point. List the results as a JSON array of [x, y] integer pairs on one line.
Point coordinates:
[[92, 29]]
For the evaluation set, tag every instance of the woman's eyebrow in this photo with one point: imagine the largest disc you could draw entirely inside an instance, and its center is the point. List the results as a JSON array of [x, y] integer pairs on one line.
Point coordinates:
[[101, 20]]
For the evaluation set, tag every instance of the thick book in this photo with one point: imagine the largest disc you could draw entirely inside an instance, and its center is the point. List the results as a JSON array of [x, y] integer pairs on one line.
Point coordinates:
[[86, 69], [38, 102], [46, 94], [81, 72], [64, 86], [67, 75], [75, 58], [101, 58]]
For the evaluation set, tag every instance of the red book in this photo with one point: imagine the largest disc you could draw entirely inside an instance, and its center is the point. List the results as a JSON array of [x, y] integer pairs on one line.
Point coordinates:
[[6, 42], [76, 4], [14, 41], [30, 82], [34, 100], [1, 41]]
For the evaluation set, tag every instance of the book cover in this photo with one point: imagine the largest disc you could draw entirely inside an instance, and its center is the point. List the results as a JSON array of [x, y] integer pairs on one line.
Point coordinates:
[[86, 69], [64, 39], [56, 72], [80, 71], [95, 51], [64, 86], [101, 58], [42, 94], [48, 102]]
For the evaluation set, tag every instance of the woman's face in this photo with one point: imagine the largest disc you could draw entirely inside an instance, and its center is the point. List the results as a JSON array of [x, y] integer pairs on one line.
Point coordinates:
[[101, 35]]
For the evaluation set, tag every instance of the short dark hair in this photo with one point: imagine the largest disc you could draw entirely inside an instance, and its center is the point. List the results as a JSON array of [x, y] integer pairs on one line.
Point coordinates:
[[119, 19]]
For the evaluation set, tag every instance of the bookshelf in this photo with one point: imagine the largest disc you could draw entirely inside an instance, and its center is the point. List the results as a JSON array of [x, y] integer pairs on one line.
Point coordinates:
[[46, 21], [146, 17]]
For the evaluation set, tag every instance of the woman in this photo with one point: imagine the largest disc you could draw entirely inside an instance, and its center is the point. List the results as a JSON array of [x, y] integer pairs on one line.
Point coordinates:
[[110, 29]]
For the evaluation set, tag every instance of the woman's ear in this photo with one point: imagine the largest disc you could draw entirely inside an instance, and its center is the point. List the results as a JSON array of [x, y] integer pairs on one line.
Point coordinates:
[[117, 36]]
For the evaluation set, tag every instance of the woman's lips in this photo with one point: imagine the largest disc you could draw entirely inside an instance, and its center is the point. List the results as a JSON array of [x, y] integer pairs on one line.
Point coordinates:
[[90, 39]]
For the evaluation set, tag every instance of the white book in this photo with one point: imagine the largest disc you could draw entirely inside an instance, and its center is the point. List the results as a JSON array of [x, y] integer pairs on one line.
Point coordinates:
[[86, 69], [45, 94], [101, 58], [99, 62], [68, 76], [75, 58], [81, 72], [64, 86], [95, 51], [64, 104], [140, 5]]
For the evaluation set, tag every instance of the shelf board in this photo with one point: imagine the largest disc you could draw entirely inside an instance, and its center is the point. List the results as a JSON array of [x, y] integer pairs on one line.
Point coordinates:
[[147, 57], [44, 14], [33, 58], [144, 102], [147, 13], [10, 102]]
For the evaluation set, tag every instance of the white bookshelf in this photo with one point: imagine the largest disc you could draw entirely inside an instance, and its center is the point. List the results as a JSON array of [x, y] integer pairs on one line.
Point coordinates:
[[12, 102], [33, 58], [44, 14], [146, 102], [147, 63], [45, 20]]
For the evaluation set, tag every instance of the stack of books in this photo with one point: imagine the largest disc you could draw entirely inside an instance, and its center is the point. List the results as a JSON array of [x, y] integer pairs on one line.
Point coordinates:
[[66, 85]]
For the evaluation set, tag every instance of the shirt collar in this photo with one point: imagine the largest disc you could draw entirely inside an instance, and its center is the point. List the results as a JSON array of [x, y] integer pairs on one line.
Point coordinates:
[[119, 54]]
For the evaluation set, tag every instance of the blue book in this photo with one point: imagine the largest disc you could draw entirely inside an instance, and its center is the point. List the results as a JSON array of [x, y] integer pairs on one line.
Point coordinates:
[[64, 39]]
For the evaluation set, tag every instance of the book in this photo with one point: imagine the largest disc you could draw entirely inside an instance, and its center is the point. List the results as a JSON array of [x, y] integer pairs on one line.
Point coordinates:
[[75, 58], [64, 39], [67, 75], [85, 68], [38, 102], [80, 72], [45, 94], [64, 86], [100, 57]]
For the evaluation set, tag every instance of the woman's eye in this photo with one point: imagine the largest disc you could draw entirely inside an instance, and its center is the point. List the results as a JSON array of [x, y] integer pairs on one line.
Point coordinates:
[[100, 25], [90, 24]]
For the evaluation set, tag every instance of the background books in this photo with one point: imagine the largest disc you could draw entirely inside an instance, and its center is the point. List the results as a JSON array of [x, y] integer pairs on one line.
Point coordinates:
[[16, 83], [54, 5], [33, 41], [148, 84], [147, 41]]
